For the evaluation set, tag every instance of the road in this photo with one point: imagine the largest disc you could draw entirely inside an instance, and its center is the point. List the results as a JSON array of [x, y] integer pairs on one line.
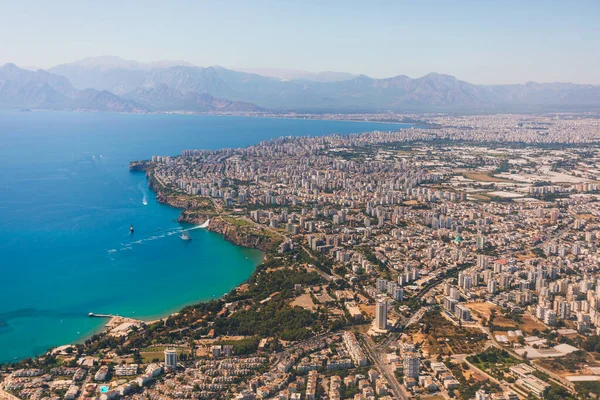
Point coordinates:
[[384, 369], [5, 395], [323, 274]]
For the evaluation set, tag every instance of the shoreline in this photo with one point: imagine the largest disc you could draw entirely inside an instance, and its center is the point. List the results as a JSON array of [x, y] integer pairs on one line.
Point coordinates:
[[220, 228], [198, 210], [415, 123]]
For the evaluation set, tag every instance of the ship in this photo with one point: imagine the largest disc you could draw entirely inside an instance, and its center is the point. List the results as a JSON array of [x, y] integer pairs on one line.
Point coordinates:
[[185, 236], [131, 229]]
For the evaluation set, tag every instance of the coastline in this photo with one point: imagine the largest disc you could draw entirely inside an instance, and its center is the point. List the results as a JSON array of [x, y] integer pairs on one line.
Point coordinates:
[[223, 226], [216, 225], [198, 210], [300, 117]]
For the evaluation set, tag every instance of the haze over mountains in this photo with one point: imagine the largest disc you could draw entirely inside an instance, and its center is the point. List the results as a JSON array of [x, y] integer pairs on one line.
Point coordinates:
[[113, 84]]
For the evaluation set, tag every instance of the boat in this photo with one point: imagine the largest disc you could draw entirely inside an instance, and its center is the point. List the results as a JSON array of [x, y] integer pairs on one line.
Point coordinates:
[[131, 229], [185, 236], [144, 202]]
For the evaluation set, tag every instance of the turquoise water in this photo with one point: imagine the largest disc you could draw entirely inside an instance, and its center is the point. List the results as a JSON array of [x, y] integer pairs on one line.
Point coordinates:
[[67, 199]]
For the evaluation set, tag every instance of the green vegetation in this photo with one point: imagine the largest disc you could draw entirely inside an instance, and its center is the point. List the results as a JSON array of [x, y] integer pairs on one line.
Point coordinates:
[[592, 344], [275, 318], [238, 222], [494, 361], [443, 337], [503, 167], [587, 388], [468, 387], [243, 346]]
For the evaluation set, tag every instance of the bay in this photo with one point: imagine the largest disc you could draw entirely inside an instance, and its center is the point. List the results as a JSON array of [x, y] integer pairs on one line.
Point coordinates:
[[67, 200]]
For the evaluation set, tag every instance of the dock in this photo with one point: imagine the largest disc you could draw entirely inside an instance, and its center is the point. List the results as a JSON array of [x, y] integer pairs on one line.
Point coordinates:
[[93, 315]]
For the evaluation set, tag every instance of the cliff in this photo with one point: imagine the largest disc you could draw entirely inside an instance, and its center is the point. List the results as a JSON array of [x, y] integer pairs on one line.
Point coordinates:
[[244, 233], [196, 210], [136, 166]]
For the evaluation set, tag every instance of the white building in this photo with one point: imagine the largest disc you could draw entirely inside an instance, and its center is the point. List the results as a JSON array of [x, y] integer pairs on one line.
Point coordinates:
[[170, 359]]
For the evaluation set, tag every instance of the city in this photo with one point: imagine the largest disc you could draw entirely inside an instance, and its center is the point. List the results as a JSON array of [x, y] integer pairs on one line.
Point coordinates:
[[459, 261]]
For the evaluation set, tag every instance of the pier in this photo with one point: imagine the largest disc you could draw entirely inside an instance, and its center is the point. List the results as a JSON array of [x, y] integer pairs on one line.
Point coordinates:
[[93, 315]]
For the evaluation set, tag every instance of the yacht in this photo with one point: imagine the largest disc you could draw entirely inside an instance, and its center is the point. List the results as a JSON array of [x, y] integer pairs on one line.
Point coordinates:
[[185, 236]]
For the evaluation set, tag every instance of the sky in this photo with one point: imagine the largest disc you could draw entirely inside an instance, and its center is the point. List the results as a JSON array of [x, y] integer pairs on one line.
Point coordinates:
[[485, 42]]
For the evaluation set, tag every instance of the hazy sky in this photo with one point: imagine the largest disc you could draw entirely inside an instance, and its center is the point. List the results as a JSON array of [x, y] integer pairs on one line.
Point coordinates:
[[479, 41]]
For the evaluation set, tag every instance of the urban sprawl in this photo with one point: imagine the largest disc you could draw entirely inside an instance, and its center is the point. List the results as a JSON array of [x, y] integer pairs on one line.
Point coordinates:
[[454, 261]]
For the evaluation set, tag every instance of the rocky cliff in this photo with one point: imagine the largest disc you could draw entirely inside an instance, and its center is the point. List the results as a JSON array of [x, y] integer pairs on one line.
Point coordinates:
[[137, 166], [252, 236], [197, 210]]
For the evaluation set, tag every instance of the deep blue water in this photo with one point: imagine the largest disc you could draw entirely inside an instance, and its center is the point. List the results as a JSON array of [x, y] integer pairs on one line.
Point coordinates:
[[67, 199]]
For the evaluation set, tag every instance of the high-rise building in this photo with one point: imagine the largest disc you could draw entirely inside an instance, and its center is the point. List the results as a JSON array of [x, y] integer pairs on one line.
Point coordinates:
[[411, 365], [170, 359], [480, 242], [550, 318], [462, 312], [381, 315], [381, 284], [398, 293], [492, 286], [482, 261]]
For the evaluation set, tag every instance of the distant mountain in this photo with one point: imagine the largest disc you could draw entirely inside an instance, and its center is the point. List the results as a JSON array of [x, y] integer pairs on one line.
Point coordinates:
[[113, 62], [165, 98], [110, 73], [21, 88], [432, 92], [294, 74], [177, 85], [548, 94]]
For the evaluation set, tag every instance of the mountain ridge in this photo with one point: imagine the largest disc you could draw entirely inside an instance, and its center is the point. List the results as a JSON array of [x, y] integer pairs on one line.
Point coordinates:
[[166, 86]]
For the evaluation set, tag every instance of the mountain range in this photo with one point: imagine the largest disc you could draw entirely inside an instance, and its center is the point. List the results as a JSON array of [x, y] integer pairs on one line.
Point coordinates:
[[114, 84]]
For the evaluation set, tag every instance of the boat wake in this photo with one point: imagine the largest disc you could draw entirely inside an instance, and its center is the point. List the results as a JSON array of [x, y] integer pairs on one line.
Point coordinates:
[[144, 197], [153, 236], [149, 237]]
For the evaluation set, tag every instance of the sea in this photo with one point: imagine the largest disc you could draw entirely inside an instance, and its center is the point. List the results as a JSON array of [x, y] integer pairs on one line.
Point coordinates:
[[67, 200]]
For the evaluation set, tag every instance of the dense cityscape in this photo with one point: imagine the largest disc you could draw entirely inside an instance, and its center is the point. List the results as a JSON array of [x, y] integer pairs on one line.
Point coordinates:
[[454, 261]]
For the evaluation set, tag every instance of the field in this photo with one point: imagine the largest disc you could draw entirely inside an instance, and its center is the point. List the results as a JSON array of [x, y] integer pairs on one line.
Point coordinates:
[[482, 312], [440, 336], [369, 310], [483, 177], [239, 222], [305, 301], [433, 397], [150, 354], [530, 323], [481, 197], [493, 361]]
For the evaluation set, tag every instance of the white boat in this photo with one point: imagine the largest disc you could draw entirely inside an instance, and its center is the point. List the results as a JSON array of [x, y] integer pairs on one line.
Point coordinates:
[[185, 236], [144, 202]]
